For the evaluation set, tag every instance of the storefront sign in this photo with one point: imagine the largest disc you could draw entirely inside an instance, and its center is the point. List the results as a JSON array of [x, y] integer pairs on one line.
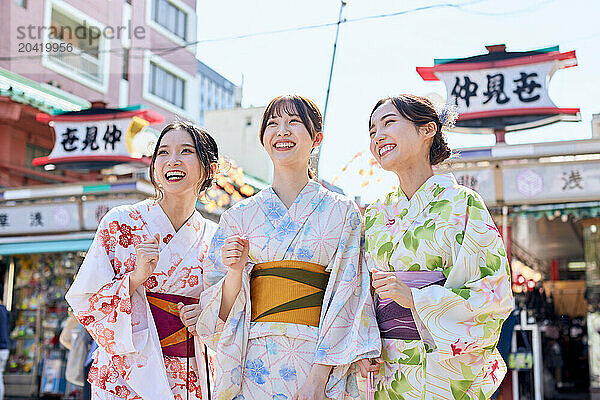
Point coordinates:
[[94, 210], [545, 183], [43, 218], [96, 138], [481, 181], [90, 138], [487, 91], [503, 90]]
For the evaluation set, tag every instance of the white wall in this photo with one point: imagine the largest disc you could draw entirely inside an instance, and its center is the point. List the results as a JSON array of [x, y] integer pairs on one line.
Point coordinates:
[[236, 132]]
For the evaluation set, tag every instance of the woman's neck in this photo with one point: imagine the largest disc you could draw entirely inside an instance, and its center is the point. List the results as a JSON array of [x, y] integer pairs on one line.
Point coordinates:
[[178, 208], [411, 178], [288, 183]]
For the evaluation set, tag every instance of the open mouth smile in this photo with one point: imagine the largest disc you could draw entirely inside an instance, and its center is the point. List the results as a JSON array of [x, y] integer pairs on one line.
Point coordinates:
[[174, 176], [284, 145], [383, 150]]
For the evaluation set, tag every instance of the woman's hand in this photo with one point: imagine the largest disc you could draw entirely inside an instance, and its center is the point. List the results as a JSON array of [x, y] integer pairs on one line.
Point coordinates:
[[314, 387], [146, 259], [388, 286], [189, 316], [367, 365], [235, 252]]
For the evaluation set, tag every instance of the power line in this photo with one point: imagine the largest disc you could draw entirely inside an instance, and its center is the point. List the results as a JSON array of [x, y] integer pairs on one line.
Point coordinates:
[[166, 50]]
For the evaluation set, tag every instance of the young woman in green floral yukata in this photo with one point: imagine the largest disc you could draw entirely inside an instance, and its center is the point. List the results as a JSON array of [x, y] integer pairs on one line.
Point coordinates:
[[439, 268]]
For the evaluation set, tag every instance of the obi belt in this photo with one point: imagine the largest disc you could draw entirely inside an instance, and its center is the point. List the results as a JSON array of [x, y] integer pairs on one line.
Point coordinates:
[[288, 291], [397, 322], [175, 339]]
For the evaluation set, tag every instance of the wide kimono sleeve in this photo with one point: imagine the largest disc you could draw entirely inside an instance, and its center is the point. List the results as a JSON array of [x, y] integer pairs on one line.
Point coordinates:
[[466, 314], [227, 338], [348, 330], [99, 296]]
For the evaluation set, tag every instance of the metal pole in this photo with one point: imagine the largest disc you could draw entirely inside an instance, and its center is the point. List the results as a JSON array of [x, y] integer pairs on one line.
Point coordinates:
[[337, 32]]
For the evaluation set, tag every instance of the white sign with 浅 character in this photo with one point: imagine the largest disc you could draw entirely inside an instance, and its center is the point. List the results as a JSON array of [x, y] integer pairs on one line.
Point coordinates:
[[43, 218], [87, 138], [546, 183]]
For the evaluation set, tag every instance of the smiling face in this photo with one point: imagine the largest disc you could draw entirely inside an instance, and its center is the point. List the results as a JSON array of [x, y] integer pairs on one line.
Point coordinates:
[[287, 139], [176, 166], [397, 143]]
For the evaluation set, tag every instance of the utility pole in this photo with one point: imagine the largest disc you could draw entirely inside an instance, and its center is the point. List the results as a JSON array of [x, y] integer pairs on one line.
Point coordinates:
[[315, 157]]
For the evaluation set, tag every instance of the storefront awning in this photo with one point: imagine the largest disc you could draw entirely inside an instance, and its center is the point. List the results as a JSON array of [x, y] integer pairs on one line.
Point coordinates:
[[576, 210], [33, 245]]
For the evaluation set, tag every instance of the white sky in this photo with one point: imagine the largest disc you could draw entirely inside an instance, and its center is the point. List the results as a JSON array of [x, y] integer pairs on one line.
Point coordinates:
[[377, 58]]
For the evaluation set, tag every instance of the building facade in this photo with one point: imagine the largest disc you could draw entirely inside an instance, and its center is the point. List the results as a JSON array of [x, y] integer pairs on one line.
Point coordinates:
[[236, 132], [120, 52], [216, 92]]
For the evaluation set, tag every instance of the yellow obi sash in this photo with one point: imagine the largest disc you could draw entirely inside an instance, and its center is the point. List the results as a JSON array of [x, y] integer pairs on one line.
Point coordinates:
[[288, 291]]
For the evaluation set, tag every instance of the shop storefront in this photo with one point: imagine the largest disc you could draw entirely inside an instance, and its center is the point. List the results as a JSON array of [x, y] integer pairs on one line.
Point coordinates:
[[544, 197]]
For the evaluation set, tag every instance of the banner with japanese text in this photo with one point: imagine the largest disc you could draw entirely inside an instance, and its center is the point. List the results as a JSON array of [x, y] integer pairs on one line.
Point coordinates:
[[90, 138], [518, 87]]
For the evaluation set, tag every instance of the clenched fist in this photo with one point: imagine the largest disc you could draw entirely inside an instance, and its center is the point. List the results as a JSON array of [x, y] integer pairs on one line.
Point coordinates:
[[146, 259], [235, 252], [189, 316], [388, 286]]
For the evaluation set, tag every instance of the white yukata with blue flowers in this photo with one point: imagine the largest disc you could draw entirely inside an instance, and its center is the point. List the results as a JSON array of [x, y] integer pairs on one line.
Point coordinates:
[[271, 360]]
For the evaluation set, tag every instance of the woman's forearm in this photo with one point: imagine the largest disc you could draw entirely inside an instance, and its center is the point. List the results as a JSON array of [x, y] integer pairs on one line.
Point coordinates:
[[231, 289], [319, 374]]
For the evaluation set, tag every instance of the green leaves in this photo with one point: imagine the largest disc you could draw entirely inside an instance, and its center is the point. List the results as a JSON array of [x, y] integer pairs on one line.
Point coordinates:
[[492, 264], [433, 262], [386, 249], [493, 261], [414, 267], [463, 292], [459, 388], [425, 231], [441, 207], [460, 237], [410, 242], [437, 190], [473, 201], [413, 357], [369, 221], [403, 213], [467, 372]]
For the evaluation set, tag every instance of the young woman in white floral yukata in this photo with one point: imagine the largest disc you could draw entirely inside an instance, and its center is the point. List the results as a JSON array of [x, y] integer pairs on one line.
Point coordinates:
[[137, 290], [439, 267], [287, 306]]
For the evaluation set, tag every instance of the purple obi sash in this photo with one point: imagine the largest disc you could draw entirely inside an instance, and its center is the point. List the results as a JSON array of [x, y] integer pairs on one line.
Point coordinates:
[[175, 339], [397, 322]]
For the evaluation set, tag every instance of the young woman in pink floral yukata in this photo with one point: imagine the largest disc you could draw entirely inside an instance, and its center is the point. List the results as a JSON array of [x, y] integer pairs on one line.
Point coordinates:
[[137, 290], [439, 267]]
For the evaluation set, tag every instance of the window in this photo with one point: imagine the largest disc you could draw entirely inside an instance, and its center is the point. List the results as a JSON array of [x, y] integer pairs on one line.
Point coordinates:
[[88, 57], [170, 17], [166, 85], [22, 3]]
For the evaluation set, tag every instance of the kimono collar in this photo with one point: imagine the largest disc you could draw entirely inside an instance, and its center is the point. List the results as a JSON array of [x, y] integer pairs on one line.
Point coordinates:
[[157, 221], [304, 204], [428, 191]]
